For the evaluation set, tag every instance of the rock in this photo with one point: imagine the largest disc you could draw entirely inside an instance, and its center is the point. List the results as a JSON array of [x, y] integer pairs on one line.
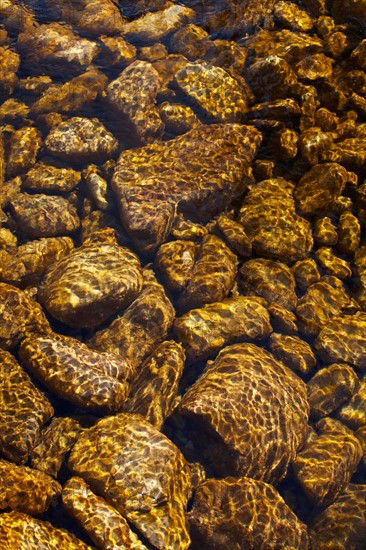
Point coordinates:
[[212, 89], [26, 264], [349, 152], [306, 273], [323, 300], [16, 17], [23, 149], [153, 27], [342, 524], [343, 339], [152, 53], [353, 13], [174, 261], [98, 187], [291, 16], [325, 467], [241, 398], [26, 490], [92, 283], [199, 172], [40, 215], [94, 381], [205, 331], [282, 320], [9, 67], [212, 276], [330, 387], [284, 144], [177, 118], [155, 386], [143, 325], [358, 55], [20, 314], [80, 140], [271, 78], [24, 410], [55, 442], [55, 49], [234, 235], [226, 511], [13, 111], [320, 187], [332, 264], [269, 279], [361, 436], [279, 109], [271, 223], [312, 142], [325, 232], [115, 457], [349, 233], [116, 52], [314, 67], [353, 413], [50, 179], [187, 230], [105, 526], [133, 96], [19, 530], [294, 352]]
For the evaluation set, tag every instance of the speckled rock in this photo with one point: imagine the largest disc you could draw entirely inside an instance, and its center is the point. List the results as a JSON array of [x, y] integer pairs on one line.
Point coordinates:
[[20, 314], [186, 229], [25, 489], [116, 52], [323, 300], [283, 144], [294, 352], [325, 467], [282, 319], [325, 232], [81, 139], [243, 396], [270, 221], [23, 149], [51, 48], [153, 27], [19, 531], [25, 265], [349, 152], [24, 410], [312, 142], [177, 118], [333, 264], [344, 339], [154, 499], [349, 233], [174, 262], [55, 442], [205, 331], [93, 282], [319, 188], [72, 371], [271, 78], [189, 41], [233, 234], [98, 187], [93, 17], [270, 279], [353, 413], [133, 96], [50, 179], [314, 67], [212, 276], [39, 215], [342, 524], [105, 526], [144, 324], [155, 386], [218, 94], [306, 273], [198, 172], [330, 387], [243, 513], [293, 17], [9, 67]]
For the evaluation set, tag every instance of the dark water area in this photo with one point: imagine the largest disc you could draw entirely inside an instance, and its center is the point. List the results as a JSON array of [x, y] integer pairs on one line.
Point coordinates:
[[183, 274]]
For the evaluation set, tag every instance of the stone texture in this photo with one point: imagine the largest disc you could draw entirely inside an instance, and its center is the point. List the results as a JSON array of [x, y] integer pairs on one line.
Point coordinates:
[[270, 221], [24, 409], [306, 273], [314, 67], [294, 352], [92, 282], [116, 52], [333, 264], [75, 373], [349, 233], [213, 90], [23, 149], [247, 414], [205, 331], [353, 413], [344, 339], [9, 67], [282, 319], [325, 467], [330, 387], [177, 118], [198, 172], [271, 78], [233, 234], [41, 215], [26, 490], [269, 279], [243, 513], [105, 526], [46, 178], [174, 261], [325, 232], [349, 153], [141, 473], [81, 139]]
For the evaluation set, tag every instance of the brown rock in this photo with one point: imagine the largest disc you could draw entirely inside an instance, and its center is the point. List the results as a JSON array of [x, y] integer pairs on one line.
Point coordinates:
[[344, 339], [23, 149], [269, 279], [105, 526], [9, 66], [358, 55], [312, 142], [177, 118], [306, 273], [93, 282], [293, 17], [189, 41], [205, 331], [330, 387], [342, 524], [282, 320], [326, 465], [284, 144], [332, 264], [349, 152], [24, 409], [174, 262], [26, 490], [234, 235], [325, 233], [352, 12], [361, 436], [46, 178], [116, 52], [349, 233], [115, 458], [294, 352], [187, 230], [242, 397], [271, 78], [353, 413], [314, 67]]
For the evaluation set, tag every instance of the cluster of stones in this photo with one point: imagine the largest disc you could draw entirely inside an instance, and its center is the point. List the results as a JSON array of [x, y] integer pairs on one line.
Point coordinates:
[[182, 274]]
